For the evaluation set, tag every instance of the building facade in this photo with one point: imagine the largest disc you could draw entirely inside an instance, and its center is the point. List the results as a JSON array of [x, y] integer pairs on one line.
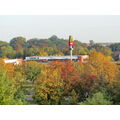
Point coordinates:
[[81, 58]]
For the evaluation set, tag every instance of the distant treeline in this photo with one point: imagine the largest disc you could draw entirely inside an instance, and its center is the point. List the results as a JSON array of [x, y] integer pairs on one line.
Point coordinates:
[[19, 47]]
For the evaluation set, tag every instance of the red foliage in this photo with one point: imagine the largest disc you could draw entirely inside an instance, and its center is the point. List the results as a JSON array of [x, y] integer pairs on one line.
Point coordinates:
[[70, 73], [88, 81]]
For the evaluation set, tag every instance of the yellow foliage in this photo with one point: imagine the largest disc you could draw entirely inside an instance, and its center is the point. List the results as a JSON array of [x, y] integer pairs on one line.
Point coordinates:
[[7, 67], [101, 66], [48, 84], [43, 53]]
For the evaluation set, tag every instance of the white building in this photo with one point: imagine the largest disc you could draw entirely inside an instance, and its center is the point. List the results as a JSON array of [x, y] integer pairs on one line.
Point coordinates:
[[82, 58], [13, 61]]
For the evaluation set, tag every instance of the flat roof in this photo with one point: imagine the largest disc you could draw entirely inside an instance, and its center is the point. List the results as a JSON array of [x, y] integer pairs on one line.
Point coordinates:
[[52, 57]]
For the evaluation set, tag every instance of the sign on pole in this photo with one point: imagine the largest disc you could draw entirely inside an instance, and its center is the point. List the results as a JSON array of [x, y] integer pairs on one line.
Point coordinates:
[[71, 43]]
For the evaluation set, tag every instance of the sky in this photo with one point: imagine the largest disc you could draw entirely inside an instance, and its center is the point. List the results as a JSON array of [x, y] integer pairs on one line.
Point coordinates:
[[100, 28]]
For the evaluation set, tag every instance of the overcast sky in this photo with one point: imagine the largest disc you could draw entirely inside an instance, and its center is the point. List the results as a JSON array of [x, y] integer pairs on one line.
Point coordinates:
[[84, 28]]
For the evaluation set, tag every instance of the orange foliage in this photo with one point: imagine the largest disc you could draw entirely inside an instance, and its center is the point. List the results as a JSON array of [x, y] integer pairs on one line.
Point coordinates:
[[101, 66], [67, 70], [7, 67]]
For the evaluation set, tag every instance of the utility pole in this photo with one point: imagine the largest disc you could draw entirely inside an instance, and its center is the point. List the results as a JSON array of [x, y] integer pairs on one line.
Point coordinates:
[[71, 43]]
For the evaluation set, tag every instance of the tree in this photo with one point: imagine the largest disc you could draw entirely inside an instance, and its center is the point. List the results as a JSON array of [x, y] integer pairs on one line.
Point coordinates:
[[7, 68], [70, 75], [100, 65], [3, 43], [54, 37], [115, 47], [116, 55], [18, 44], [32, 43], [49, 87], [113, 91], [8, 89], [80, 67], [72, 99], [79, 49], [97, 99], [103, 49], [86, 86], [43, 53], [6, 51], [31, 70], [32, 51]]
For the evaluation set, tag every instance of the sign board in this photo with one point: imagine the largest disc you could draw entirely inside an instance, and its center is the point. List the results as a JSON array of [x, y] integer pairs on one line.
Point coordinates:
[[71, 42]]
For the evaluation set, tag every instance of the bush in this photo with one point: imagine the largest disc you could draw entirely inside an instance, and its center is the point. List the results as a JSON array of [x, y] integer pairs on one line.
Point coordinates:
[[97, 99]]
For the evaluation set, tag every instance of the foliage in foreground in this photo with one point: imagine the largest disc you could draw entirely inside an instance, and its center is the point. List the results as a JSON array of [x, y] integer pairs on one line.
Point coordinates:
[[61, 83], [10, 89], [97, 99]]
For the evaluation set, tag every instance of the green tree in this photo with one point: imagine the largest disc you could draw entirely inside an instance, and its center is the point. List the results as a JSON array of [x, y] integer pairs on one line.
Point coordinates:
[[6, 90], [97, 99], [31, 70], [79, 49], [2, 43], [19, 44], [103, 49], [115, 47], [7, 51], [72, 99], [113, 90], [32, 51], [9, 90]]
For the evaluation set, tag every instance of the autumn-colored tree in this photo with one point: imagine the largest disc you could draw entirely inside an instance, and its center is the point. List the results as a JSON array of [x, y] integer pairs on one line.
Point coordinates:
[[69, 74], [43, 53], [95, 75], [10, 69], [19, 45], [49, 86], [100, 65], [71, 78], [86, 86], [80, 67], [7, 67]]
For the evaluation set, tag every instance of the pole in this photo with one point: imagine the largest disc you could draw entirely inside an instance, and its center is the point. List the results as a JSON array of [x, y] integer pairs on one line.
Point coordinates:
[[71, 53], [71, 41]]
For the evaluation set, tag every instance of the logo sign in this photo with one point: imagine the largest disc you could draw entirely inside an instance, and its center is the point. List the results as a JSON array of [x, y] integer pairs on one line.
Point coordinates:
[[71, 41]]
